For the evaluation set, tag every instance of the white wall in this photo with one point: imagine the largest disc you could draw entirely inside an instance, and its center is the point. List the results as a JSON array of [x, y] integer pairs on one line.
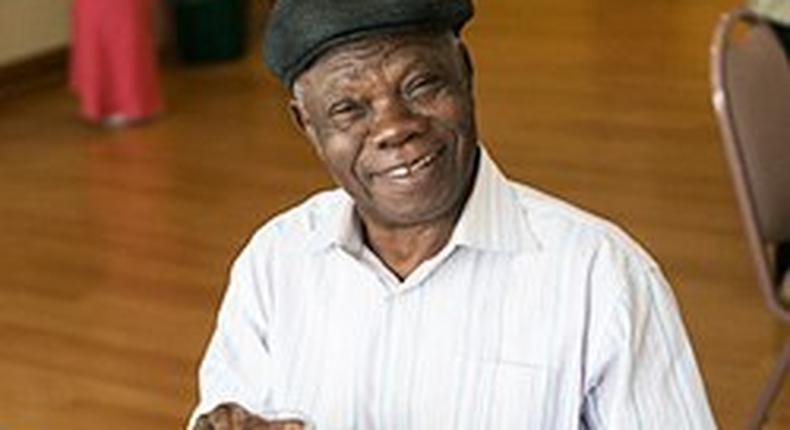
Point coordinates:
[[31, 27]]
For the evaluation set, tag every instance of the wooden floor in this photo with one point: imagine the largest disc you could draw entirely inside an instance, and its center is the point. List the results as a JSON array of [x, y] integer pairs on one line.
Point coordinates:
[[115, 245]]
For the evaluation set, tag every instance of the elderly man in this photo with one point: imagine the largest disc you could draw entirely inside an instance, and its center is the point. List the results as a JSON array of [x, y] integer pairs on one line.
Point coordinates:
[[429, 291]]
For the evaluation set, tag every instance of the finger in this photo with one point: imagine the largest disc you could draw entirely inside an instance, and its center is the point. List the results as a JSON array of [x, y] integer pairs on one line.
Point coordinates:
[[220, 417], [229, 416], [293, 425], [257, 423], [203, 423], [254, 422], [238, 416]]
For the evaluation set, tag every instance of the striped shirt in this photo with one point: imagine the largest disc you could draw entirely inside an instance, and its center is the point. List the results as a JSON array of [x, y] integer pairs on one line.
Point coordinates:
[[535, 315]]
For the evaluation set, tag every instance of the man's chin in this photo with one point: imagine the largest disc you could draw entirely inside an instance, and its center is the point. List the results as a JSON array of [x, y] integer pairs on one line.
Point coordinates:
[[408, 215]]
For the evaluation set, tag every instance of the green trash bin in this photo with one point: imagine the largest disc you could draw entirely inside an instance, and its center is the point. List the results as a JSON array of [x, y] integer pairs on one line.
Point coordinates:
[[210, 30]]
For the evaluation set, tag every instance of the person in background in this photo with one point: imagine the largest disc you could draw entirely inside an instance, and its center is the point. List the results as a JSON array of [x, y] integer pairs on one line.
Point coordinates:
[[429, 291], [113, 67], [778, 12]]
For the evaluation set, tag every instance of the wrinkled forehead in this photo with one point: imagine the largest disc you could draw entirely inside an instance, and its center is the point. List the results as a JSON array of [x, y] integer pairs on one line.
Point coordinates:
[[350, 59]]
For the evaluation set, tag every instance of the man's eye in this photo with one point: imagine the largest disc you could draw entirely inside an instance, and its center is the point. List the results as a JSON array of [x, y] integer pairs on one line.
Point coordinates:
[[345, 110], [423, 86]]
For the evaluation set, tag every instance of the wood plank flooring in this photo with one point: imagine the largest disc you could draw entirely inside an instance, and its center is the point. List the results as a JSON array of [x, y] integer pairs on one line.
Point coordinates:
[[115, 244]]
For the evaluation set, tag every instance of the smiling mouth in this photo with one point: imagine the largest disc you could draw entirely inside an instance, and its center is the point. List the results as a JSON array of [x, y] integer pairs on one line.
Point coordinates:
[[404, 171]]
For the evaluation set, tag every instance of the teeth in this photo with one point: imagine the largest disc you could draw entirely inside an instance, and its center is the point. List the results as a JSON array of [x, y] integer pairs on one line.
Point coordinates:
[[424, 161], [404, 171], [400, 172]]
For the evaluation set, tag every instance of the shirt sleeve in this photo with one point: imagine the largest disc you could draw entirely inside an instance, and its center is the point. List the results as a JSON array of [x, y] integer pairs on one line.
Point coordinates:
[[642, 373], [237, 365]]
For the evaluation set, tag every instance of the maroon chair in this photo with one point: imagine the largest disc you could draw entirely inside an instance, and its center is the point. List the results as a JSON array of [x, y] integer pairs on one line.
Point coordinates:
[[751, 96]]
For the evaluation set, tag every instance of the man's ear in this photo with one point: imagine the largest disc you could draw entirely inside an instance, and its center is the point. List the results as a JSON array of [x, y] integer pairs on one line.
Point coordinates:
[[301, 119], [298, 115], [469, 67]]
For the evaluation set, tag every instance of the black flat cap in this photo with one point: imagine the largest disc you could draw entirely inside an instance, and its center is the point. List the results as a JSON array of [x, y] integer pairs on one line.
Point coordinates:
[[299, 31]]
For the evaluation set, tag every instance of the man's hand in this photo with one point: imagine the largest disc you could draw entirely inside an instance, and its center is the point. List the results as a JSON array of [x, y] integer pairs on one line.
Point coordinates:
[[231, 416]]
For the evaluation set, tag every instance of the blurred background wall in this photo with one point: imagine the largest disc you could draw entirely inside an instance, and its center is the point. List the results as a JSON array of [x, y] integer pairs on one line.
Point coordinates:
[[29, 28]]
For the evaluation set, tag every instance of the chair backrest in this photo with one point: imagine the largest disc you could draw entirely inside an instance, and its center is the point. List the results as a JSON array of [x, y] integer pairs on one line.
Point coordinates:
[[751, 95]]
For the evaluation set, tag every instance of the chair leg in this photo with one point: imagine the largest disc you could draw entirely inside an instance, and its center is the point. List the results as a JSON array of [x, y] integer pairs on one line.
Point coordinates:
[[771, 389]]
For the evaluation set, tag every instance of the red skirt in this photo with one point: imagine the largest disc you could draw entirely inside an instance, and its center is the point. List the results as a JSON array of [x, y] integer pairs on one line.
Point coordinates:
[[113, 68]]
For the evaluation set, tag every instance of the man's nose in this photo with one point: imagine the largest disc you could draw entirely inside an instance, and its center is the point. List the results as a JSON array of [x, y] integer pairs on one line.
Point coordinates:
[[395, 124]]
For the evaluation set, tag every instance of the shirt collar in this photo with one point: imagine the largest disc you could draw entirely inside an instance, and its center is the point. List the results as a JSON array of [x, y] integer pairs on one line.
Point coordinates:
[[341, 227], [492, 219]]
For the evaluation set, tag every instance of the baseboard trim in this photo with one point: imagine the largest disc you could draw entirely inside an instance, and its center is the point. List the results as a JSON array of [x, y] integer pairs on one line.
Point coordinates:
[[42, 70]]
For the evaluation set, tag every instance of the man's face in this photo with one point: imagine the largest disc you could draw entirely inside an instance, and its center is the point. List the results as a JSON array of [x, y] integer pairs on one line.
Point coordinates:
[[393, 120]]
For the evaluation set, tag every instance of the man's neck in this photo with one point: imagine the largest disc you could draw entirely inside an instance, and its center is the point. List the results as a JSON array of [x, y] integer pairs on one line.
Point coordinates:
[[402, 249]]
